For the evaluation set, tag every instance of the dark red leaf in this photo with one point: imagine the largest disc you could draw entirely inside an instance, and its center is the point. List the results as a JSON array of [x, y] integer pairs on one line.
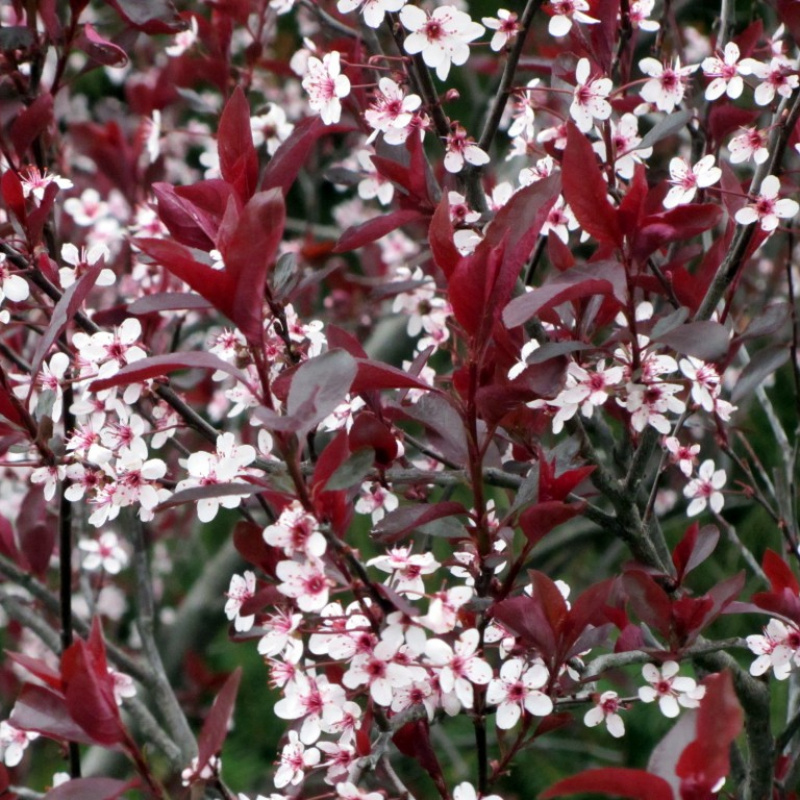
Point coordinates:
[[539, 519], [722, 595], [150, 16], [613, 781], [215, 728], [414, 741], [549, 598], [238, 160], [585, 190], [779, 573], [248, 539], [575, 284], [63, 313], [789, 13], [440, 236], [36, 531], [193, 213], [374, 375], [41, 669], [196, 493], [31, 123], [784, 604], [338, 337], [406, 519], [13, 195], [158, 366], [100, 49], [704, 339], [89, 690], [292, 154], [518, 225], [469, 289], [247, 257], [677, 224], [8, 544], [706, 760], [45, 711], [374, 229], [524, 617], [89, 789], [167, 301], [317, 387], [331, 458], [552, 487], [370, 432], [650, 602], [589, 609]]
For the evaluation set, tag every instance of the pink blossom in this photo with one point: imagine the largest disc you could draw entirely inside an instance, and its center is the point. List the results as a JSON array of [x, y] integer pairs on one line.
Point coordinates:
[[685, 456], [766, 209], [442, 38], [705, 489], [326, 86], [564, 12], [374, 11], [667, 83], [778, 77], [517, 689], [242, 588], [105, 553], [750, 143], [778, 649], [505, 27], [295, 760], [589, 101], [460, 149], [685, 182], [669, 689], [725, 73], [606, 710]]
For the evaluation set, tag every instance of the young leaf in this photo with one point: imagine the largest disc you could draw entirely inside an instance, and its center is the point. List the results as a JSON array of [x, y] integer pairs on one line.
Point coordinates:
[[150, 16], [586, 192], [32, 122], [89, 690], [238, 161], [779, 573], [215, 728], [407, 518], [374, 229], [158, 366], [614, 782], [90, 789]]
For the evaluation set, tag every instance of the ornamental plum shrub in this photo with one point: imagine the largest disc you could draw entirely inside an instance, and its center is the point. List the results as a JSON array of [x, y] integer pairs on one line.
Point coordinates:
[[399, 399]]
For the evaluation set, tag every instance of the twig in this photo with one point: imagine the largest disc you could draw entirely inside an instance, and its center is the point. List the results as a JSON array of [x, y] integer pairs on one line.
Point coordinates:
[[161, 688]]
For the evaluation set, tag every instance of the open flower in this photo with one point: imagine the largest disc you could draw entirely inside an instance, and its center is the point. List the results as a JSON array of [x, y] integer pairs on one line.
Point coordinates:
[[767, 209], [606, 710], [589, 99], [517, 689], [685, 182], [667, 83], [725, 73], [442, 38], [505, 27], [671, 690], [374, 11], [778, 648], [326, 86], [564, 12], [705, 489]]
